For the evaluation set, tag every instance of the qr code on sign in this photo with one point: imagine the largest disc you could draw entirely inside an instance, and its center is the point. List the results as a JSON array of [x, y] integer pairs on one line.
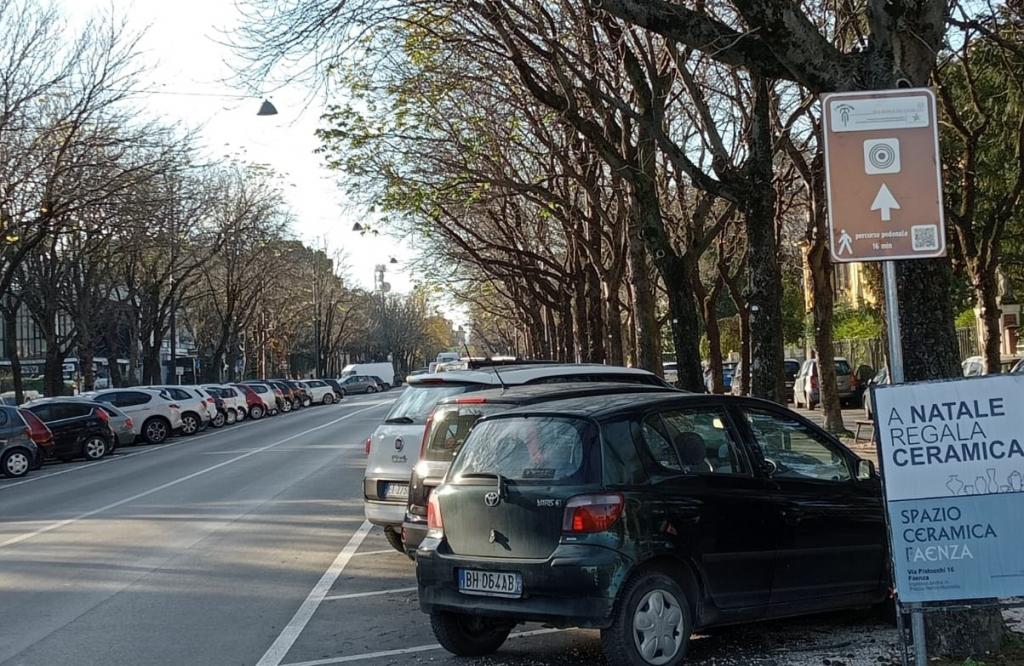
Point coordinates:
[[925, 237]]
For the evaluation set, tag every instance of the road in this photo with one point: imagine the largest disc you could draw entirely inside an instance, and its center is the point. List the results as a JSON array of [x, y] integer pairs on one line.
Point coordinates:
[[246, 546]]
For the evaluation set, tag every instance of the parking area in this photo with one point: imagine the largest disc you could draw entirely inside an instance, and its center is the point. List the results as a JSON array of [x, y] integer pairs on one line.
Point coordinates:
[[364, 610]]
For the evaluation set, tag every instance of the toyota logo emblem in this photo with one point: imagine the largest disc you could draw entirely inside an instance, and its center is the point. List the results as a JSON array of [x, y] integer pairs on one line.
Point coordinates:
[[399, 444], [492, 499]]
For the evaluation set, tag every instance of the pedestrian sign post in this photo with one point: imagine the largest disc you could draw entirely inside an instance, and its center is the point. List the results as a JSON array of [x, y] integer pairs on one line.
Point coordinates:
[[882, 175], [884, 187]]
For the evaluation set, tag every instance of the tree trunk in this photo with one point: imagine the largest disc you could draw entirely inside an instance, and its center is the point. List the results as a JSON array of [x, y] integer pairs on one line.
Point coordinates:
[[819, 264], [151, 370], [595, 350], [53, 368], [644, 322], [986, 291], [765, 287], [685, 328], [86, 356], [11, 350], [714, 333], [580, 317], [924, 285], [613, 322], [568, 340], [745, 350]]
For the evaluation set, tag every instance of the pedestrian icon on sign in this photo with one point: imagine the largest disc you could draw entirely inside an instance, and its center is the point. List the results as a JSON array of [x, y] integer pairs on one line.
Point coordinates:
[[845, 243]]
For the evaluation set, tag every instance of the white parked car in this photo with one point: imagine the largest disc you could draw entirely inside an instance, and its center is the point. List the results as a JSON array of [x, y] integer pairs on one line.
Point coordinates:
[[266, 394], [320, 392], [394, 445], [155, 415], [197, 407], [234, 402]]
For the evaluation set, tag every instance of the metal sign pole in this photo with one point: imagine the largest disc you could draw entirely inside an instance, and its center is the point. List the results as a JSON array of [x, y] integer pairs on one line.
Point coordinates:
[[892, 312]]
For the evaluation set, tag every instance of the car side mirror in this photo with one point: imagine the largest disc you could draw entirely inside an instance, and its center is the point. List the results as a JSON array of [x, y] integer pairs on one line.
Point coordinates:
[[770, 467], [865, 470]]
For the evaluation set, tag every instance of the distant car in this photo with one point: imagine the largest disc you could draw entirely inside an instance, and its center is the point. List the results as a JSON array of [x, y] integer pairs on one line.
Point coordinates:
[[648, 517], [454, 417], [231, 403], [728, 371], [386, 371], [880, 379], [974, 366], [155, 416], [80, 428], [197, 407], [122, 425], [790, 368], [293, 391], [339, 392], [806, 386], [1018, 369], [360, 384], [670, 370], [19, 453], [320, 392], [266, 394], [255, 405]]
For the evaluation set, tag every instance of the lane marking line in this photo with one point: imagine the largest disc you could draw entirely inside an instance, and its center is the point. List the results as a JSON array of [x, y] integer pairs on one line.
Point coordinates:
[[360, 595], [411, 650], [286, 639], [113, 505], [386, 551]]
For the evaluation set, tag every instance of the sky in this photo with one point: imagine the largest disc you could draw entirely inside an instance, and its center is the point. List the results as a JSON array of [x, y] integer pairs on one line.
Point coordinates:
[[189, 67]]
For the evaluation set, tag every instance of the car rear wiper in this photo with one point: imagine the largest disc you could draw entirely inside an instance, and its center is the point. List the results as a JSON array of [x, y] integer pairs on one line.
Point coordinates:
[[488, 475], [400, 419]]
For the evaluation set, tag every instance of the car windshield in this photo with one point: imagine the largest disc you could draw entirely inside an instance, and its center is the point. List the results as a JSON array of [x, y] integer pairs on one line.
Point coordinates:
[[418, 401], [451, 425], [530, 449]]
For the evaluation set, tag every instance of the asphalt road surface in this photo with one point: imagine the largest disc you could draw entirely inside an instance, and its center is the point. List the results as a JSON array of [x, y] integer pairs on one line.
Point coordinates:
[[247, 545]]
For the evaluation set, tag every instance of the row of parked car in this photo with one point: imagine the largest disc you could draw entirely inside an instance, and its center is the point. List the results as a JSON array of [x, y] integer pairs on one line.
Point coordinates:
[[92, 425], [602, 497]]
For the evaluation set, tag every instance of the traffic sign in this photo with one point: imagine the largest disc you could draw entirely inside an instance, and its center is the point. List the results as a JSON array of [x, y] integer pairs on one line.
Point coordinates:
[[883, 176]]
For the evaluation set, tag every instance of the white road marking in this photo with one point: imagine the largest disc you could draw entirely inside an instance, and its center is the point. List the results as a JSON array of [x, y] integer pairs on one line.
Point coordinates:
[[283, 643], [387, 551], [169, 484], [411, 650], [360, 595]]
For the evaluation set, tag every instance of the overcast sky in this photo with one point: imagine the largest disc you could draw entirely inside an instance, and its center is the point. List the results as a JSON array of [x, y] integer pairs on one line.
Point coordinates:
[[182, 51]]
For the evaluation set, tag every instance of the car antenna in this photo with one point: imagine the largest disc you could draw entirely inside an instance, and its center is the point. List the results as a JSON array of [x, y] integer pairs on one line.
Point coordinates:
[[469, 358]]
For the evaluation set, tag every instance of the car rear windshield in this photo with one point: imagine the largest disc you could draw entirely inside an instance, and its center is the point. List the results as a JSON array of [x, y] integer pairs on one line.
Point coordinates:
[[843, 368], [545, 450], [451, 425], [416, 403]]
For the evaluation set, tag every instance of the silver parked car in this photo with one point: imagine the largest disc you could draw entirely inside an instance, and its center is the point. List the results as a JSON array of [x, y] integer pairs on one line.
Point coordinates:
[[393, 448], [806, 386], [155, 416]]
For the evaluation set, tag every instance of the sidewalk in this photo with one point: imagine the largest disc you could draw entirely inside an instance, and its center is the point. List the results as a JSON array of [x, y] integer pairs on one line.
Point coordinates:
[[865, 448]]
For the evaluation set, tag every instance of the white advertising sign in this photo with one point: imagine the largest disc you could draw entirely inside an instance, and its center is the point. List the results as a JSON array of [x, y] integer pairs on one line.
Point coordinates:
[[952, 456]]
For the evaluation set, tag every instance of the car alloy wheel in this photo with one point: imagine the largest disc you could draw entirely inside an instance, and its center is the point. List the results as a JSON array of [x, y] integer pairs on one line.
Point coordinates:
[[371, 389], [189, 424], [329, 398], [155, 431], [286, 406], [94, 448], [16, 464], [232, 417], [256, 412], [658, 627], [219, 420]]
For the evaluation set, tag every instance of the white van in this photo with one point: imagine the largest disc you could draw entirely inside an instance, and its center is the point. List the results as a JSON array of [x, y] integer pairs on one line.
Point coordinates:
[[385, 371], [445, 357]]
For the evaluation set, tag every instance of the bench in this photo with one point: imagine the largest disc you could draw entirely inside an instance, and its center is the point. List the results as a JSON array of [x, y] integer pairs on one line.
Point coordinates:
[[861, 423]]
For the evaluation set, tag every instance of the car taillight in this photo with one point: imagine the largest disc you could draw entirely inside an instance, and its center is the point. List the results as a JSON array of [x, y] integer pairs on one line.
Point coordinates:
[[367, 443], [814, 382], [38, 432], [426, 436], [102, 415], [435, 525], [586, 514], [853, 382], [471, 400], [128, 423]]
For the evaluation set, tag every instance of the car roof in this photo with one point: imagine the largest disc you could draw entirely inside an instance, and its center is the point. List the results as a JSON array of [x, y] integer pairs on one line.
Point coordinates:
[[621, 404], [521, 374], [530, 393]]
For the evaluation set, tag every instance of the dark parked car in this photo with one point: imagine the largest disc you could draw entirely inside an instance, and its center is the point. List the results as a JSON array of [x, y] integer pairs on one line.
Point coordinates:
[[647, 517], [335, 385], [790, 368], [19, 451], [292, 393], [80, 428], [451, 422], [361, 384]]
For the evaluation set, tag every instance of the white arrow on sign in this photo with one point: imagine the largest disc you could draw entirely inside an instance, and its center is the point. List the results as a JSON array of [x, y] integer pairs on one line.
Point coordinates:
[[885, 202]]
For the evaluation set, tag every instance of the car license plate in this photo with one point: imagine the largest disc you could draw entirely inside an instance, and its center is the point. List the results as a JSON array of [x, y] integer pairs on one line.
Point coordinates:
[[490, 583], [396, 491]]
